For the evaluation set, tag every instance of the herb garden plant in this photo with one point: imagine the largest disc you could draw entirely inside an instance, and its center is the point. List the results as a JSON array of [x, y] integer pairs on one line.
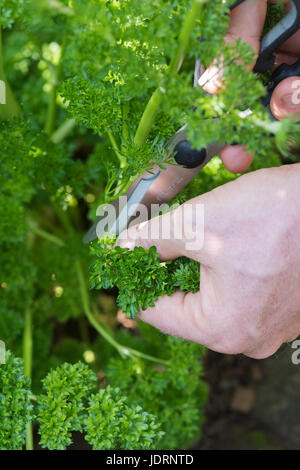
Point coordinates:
[[94, 90]]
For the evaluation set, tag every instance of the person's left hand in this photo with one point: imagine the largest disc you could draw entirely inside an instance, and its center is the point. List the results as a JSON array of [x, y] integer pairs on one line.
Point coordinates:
[[247, 22]]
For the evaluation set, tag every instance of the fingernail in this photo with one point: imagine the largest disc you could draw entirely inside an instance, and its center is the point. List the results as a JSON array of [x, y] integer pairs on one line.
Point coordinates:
[[203, 79], [212, 74], [291, 101]]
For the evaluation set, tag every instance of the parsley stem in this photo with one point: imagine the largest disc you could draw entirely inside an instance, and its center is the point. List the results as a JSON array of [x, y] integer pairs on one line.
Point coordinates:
[[27, 343], [46, 235], [136, 353], [64, 218], [185, 34], [10, 109], [125, 132], [27, 357], [120, 190], [62, 131], [88, 312], [116, 149], [154, 103], [52, 105], [148, 118], [29, 436], [123, 350]]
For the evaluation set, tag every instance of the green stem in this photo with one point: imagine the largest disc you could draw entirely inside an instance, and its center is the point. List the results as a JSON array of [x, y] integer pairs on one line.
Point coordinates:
[[88, 312], [10, 109], [29, 436], [119, 191], [153, 105], [63, 131], [123, 350], [52, 106], [37, 217], [27, 356], [51, 113], [148, 118], [43, 234], [27, 343], [63, 217], [185, 34], [125, 132], [116, 149], [61, 8], [141, 355]]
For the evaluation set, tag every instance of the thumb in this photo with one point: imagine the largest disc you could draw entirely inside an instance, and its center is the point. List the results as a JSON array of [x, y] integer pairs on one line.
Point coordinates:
[[179, 232], [285, 100]]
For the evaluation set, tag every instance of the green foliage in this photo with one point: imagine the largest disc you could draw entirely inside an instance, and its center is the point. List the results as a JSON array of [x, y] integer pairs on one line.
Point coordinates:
[[15, 407], [84, 75], [11, 324], [139, 275], [61, 406], [57, 279], [116, 76], [114, 423], [67, 404], [172, 392], [186, 274], [11, 10], [274, 15]]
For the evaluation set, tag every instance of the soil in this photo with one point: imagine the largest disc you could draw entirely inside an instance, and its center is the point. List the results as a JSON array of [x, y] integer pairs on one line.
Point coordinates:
[[253, 404]]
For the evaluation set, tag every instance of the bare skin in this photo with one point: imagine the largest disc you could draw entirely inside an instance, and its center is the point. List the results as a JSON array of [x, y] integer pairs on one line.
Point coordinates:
[[249, 298], [241, 26]]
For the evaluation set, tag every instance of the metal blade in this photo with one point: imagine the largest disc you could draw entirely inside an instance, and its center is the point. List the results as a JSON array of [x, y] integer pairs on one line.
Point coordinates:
[[148, 193], [123, 210]]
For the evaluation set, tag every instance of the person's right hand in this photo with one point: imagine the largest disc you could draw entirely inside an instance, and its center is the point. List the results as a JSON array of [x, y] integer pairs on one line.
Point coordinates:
[[247, 22]]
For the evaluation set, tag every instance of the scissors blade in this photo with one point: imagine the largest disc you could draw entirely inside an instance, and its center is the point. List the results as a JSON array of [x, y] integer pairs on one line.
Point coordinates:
[[123, 208], [147, 194]]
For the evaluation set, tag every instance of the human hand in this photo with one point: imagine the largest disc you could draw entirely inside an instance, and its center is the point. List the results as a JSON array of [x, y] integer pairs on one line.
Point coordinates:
[[249, 298], [247, 22]]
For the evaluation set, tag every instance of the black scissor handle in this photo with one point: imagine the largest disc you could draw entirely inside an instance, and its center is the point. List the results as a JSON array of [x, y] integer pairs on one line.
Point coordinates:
[[188, 157], [281, 32]]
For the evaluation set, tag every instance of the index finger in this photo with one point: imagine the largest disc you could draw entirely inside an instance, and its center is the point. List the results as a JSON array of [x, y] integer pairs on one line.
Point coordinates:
[[246, 23]]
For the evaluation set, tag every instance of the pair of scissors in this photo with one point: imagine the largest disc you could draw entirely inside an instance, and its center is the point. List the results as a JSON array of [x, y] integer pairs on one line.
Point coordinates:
[[161, 186]]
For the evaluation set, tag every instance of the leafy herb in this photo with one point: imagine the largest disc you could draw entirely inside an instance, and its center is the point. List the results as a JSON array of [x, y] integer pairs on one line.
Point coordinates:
[[15, 407], [139, 275], [94, 90], [114, 423]]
